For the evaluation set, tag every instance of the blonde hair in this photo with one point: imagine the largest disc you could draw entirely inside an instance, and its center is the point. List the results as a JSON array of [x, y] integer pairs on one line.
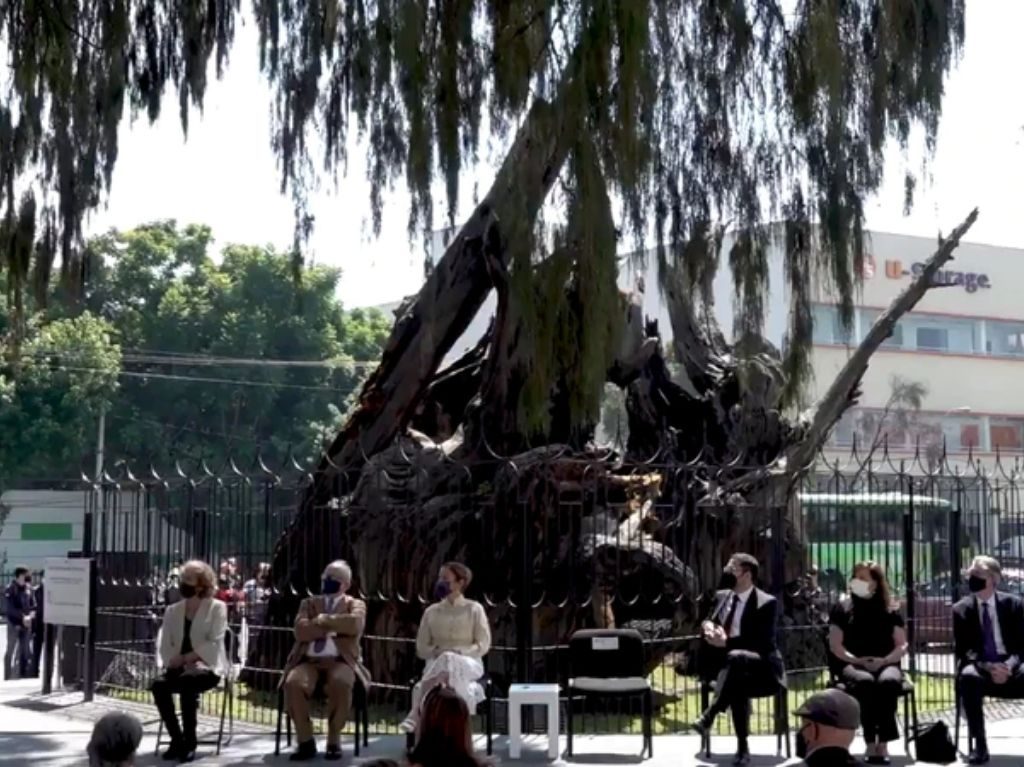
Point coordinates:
[[206, 580]]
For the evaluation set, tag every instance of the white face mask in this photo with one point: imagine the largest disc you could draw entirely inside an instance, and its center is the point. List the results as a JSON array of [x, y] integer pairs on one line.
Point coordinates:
[[860, 588]]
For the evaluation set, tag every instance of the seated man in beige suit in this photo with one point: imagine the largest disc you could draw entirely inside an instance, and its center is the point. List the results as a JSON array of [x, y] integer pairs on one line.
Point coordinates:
[[328, 631]]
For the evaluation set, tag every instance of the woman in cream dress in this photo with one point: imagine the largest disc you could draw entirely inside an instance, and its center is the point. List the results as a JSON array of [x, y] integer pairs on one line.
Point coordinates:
[[453, 638]]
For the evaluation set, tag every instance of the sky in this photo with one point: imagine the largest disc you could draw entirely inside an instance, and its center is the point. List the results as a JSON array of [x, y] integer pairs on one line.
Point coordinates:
[[225, 174]]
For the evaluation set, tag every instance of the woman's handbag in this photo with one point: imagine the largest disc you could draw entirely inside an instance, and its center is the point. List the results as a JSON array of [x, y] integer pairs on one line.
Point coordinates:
[[933, 744]]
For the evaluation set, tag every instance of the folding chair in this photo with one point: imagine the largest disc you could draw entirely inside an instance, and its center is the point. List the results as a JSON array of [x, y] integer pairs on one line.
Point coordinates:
[[227, 710], [907, 694], [360, 715], [780, 705], [488, 703], [609, 663]]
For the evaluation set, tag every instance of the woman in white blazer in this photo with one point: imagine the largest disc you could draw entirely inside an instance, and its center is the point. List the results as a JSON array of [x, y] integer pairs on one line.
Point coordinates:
[[192, 656]]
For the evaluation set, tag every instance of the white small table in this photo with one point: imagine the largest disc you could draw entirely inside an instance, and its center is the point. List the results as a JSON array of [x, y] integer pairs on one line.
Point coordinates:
[[520, 695]]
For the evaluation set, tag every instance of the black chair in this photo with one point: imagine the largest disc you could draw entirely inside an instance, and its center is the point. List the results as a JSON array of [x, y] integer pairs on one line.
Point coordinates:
[[360, 715], [956, 721], [488, 703], [780, 704], [609, 663], [907, 693], [227, 709]]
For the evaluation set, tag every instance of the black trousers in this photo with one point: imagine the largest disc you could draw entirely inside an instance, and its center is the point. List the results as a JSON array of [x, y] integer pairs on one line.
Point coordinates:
[[189, 685], [975, 684], [743, 676], [878, 693]]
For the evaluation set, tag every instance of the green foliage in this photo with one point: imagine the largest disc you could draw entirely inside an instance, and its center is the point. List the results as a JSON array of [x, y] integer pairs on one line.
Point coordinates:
[[221, 359], [51, 398], [700, 113]]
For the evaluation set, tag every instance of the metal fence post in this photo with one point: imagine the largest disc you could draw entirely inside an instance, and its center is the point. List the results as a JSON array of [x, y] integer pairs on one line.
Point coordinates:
[[89, 670], [908, 569]]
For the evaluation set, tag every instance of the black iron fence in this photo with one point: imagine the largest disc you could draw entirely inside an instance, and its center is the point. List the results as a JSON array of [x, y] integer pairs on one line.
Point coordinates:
[[556, 544]]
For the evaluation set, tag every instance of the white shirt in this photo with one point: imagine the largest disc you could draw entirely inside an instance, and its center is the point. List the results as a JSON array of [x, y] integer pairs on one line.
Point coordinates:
[[737, 618], [996, 631], [329, 650]]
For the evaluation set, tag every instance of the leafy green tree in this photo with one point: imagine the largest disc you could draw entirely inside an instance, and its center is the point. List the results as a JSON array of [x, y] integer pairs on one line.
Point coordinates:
[[223, 359], [50, 399]]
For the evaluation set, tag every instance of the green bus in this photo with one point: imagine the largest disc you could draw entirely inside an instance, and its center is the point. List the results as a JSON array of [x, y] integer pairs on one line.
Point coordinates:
[[841, 529]]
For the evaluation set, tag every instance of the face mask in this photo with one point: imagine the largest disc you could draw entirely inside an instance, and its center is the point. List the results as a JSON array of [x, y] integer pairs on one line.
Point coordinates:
[[801, 743], [728, 580], [976, 583], [330, 586], [441, 590], [860, 588], [187, 590]]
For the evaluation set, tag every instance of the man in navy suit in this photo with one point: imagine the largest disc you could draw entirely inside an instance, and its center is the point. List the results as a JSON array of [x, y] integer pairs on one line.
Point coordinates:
[[740, 649], [988, 636]]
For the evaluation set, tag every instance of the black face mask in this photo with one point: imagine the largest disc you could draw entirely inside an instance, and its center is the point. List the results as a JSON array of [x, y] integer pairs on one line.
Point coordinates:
[[187, 590], [976, 583], [801, 744], [728, 580]]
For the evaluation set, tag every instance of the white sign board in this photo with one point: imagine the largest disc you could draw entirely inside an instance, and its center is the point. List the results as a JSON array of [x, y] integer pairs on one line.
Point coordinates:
[[66, 592], [604, 643]]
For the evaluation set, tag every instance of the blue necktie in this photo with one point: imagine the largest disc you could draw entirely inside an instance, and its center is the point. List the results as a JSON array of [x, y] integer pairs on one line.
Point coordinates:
[[989, 654], [320, 644]]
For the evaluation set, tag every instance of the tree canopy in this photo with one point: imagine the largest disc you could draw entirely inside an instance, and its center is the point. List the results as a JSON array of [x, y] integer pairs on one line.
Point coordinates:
[[693, 114], [196, 359]]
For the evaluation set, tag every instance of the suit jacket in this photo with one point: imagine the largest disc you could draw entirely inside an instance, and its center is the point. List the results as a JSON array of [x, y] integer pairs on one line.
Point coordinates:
[[967, 639], [346, 623], [758, 627], [207, 634]]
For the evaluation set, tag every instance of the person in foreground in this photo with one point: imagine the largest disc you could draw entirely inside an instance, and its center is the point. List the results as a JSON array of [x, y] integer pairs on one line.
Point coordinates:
[[829, 720], [867, 642], [445, 734], [115, 739], [453, 638], [988, 639], [328, 635], [740, 648], [192, 655]]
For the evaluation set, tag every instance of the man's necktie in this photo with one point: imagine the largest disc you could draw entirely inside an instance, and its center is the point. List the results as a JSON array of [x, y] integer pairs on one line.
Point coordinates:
[[989, 653], [321, 643], [727, 625]]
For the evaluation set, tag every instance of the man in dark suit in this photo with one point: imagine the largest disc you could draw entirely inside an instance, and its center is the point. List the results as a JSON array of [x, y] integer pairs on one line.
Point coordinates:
[[739, 649], [988, 636]]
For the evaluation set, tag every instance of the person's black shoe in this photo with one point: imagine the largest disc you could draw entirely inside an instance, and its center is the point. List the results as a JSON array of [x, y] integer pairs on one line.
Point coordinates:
[[877, 759], [333, 752], [742, 759], [701, 727], [978, 756], [304, 752], [187, 755], [173, 752]]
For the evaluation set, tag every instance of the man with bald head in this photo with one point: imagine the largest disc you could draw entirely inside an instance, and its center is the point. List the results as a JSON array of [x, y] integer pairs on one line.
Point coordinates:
[[328, 634]]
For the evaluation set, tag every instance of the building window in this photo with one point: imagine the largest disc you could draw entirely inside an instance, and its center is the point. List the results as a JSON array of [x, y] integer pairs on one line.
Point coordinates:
[[827, 327], [869, 317], [1005, 338], [935, 339], [1007, 434]]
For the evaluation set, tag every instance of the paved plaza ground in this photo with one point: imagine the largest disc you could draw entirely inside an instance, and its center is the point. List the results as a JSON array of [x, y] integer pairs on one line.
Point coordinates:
[[51, 731]]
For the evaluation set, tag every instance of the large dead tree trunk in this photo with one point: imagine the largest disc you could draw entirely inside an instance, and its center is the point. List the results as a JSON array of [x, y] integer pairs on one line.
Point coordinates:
[[392, 499]]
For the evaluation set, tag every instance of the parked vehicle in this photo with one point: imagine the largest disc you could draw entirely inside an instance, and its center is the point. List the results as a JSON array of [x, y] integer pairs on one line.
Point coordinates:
[[1010, 552], [933, 605]]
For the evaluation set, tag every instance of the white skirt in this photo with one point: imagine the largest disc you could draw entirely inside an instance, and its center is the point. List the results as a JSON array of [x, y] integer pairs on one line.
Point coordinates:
[[464, 675]]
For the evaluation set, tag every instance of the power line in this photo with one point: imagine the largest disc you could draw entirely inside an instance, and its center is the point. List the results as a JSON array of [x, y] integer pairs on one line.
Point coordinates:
[[203, 379], [160, 357]]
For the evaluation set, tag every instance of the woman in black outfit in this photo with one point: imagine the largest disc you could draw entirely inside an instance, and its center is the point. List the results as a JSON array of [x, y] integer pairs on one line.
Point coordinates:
[[868, 641]]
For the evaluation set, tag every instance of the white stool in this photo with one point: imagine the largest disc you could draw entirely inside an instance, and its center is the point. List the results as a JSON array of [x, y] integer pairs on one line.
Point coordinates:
[[520, 695]]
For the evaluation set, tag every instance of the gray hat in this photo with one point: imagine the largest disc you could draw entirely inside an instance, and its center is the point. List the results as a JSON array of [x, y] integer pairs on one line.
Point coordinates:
[[833, 708], [115, 738]]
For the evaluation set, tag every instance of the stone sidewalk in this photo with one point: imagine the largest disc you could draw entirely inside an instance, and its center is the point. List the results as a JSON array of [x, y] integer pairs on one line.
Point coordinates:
[[53, 731]]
